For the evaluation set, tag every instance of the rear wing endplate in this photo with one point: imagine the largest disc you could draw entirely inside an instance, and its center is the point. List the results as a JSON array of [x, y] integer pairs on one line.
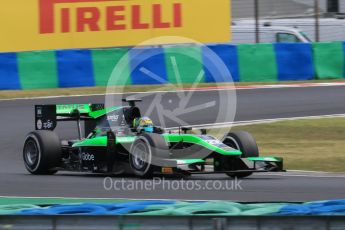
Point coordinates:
[[47, 116]]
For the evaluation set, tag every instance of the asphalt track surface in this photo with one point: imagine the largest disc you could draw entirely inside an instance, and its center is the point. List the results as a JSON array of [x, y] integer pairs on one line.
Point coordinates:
[[17, 120]]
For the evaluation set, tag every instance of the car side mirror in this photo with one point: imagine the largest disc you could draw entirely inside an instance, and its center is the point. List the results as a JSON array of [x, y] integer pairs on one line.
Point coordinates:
[[186, 129], [203, 131]]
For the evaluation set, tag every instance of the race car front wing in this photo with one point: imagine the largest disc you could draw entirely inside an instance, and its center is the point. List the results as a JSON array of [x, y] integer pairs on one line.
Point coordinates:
[[244, 165]]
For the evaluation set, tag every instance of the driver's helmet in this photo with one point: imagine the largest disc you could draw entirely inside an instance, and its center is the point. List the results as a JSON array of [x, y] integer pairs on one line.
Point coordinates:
[[143, 124]]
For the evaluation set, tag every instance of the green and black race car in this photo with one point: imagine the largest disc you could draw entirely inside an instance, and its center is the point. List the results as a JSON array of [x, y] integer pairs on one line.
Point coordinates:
[[114, 144]]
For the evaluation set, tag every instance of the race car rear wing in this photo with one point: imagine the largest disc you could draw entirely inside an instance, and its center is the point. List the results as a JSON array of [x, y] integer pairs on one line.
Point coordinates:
[[47, 116]]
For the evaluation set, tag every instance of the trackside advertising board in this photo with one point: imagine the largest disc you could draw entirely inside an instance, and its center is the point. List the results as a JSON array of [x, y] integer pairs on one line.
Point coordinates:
[[65, 24]]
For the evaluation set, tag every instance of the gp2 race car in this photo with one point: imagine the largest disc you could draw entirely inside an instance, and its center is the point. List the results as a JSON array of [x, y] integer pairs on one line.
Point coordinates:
[[112, 145]]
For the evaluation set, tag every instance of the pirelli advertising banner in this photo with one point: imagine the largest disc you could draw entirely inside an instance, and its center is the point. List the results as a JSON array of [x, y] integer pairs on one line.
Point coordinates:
[[63, 24]]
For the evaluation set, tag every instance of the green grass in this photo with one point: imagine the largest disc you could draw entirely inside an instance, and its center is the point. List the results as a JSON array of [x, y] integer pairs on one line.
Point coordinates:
[[8, 94], [304, 144]]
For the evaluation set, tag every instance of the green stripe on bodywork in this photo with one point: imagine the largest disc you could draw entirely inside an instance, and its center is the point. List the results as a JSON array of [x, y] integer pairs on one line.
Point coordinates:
[[85, 109], [99, 113], [102, 141], [271, 159], [184, 64], [188, 138], [37, 70], [257, 63], [67, 109], [104, 62], [189, 161]]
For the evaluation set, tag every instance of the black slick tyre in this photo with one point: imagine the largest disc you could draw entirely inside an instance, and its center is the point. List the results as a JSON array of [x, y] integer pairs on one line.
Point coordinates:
[[244, 142], [42, 152], [145, 152]]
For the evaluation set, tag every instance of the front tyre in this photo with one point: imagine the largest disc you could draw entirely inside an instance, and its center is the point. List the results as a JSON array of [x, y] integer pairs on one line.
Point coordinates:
[[140, 158], [242, 141], [42, 152], [246, 143], [146, 152]]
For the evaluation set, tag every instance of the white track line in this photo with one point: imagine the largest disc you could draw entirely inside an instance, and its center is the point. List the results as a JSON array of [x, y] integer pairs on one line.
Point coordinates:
[[252, 122], [311, 175], [307, 171], [206, 89]]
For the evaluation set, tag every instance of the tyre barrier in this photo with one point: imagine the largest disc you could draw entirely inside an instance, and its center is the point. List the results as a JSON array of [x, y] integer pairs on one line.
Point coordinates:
[[331, 207], [15, 209], [94, 209], [149, 208], [210, 209], [181, 208]]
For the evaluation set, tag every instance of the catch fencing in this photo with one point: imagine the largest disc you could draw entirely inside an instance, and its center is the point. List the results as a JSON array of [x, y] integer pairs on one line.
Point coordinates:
[[320, 20]]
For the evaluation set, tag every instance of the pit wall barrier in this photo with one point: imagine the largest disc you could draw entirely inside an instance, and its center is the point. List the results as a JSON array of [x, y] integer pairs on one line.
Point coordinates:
[[180, 208], [246, 63]]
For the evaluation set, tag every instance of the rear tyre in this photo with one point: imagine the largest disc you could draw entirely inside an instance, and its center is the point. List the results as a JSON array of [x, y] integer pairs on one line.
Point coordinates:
[[244, 142], [42, 152], [145, 151]]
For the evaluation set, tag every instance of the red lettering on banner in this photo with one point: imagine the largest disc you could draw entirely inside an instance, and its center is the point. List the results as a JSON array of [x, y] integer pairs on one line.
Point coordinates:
[[136, 20], [47, 14], [157, 17], [177, 15], [117, 17], [65, 19], [113, 18], [88, 16]]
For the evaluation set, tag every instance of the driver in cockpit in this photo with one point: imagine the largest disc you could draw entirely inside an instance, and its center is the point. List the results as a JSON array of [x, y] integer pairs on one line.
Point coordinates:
[[143, 124]]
